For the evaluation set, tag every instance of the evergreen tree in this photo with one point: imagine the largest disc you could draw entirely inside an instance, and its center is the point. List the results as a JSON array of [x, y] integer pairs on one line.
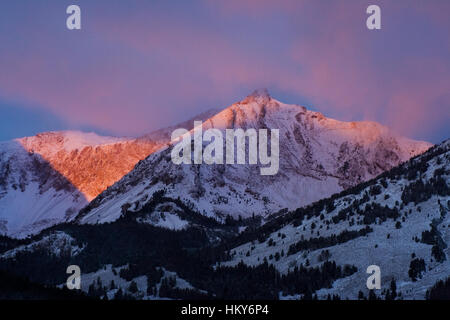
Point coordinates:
[[118, 295], [393, 289], [133, 287], [361, 295], [372, 295]]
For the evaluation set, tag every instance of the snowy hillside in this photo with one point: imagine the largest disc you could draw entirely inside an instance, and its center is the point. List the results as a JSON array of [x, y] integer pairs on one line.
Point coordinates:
[[33, 195], [394, 222], [318, 157]]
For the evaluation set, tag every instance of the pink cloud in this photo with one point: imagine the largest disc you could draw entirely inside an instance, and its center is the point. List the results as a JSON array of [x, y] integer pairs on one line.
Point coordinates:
[[137, 72]]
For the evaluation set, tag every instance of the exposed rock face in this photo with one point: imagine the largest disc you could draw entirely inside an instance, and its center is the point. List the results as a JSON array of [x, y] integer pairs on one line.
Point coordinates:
[[91, 166]]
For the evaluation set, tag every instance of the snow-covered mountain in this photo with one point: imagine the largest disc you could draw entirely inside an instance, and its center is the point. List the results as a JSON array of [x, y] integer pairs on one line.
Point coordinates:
[[90, 162], [398, 221], [319, 156], [46, 179], [162, 136]]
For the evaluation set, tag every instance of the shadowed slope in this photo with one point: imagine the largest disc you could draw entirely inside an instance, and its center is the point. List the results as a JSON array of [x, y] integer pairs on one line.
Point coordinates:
[[33, 195]]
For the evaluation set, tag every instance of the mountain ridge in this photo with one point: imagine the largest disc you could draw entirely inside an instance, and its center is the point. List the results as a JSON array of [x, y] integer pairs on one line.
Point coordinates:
[[325, 155]]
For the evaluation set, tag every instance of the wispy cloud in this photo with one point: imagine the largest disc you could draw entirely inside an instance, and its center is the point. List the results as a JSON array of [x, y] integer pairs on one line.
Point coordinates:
[[138, 65]]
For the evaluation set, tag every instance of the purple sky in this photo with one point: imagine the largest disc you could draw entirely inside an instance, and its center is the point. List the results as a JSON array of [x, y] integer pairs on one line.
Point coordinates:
[[140, 65]]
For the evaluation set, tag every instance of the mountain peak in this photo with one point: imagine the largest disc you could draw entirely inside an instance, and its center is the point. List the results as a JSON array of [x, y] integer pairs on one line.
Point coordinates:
[[259, 95]]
